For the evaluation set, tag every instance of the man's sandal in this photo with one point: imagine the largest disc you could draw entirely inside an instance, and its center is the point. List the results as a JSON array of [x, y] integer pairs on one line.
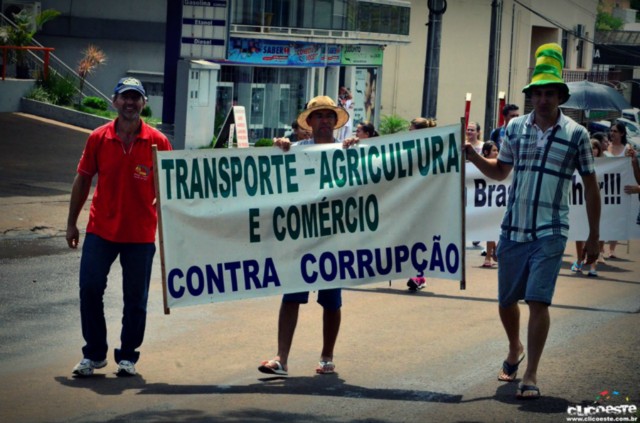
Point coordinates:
[[326, 368], [510, 371], [273, 367], [527, 392]]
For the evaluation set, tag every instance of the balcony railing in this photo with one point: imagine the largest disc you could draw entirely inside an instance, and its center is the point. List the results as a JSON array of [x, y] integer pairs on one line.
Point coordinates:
[[45, 61], [54, 63]]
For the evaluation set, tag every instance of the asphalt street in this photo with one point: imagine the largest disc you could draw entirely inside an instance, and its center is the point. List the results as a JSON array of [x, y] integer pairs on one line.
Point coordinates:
[[430, 356]]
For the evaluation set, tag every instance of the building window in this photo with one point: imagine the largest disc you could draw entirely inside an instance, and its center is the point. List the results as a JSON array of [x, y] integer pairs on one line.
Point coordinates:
[[376, 16]]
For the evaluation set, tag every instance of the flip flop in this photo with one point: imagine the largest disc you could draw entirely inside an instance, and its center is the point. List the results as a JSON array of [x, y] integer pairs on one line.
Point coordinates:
[[510, 370], [532, 391], [273, 367], [326, 368]]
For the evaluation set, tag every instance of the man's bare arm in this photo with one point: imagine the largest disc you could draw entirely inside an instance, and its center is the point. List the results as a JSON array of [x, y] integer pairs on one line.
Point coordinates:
[[79, 193], [491, 168]]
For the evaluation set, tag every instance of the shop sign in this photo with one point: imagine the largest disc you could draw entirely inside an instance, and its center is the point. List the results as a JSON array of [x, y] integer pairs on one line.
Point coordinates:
[[270, 52], [262, 52], [204, 29], [362, 55]]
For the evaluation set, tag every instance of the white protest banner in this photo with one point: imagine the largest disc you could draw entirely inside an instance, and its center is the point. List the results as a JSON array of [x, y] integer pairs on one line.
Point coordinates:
[[254, 222], [487, 201]]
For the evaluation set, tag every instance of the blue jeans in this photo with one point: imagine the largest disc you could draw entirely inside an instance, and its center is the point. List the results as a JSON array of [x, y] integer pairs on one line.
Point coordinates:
[[136, 260]]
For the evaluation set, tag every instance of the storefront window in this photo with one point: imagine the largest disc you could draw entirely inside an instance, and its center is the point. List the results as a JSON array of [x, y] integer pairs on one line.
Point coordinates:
[[272, 97]]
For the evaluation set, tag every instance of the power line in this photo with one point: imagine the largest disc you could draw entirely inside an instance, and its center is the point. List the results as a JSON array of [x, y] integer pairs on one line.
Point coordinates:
[[581, 6]]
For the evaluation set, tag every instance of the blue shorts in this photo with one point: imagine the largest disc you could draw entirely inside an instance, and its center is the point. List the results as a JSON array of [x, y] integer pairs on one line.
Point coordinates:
[[330, 299], [529, 270]]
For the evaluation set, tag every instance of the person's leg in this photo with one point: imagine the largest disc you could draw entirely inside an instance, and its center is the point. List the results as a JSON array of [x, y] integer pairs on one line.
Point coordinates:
[[97, 257], [331, 302], [539, 322], [512, 276], [612, 248], [287, 322], [577, 265], [545, 263], [330, 329], [491, 254], [580, 251], [136, 261], [510, 318]]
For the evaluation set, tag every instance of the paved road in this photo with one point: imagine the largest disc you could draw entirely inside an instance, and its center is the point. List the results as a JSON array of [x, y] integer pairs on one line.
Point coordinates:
[[426, 357]]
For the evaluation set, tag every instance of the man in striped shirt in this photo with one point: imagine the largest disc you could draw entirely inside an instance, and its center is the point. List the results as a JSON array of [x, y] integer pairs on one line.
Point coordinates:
[[543, 148]]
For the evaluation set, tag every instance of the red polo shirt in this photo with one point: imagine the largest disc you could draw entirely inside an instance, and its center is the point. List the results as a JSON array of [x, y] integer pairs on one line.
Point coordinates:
[[122, 209]]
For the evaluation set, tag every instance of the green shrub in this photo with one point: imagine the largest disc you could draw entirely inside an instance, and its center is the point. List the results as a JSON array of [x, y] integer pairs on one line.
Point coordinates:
[[146, 112], [61, 89], [40, 94], [391, 124], [95, 103], [264, 142], [110, 114]]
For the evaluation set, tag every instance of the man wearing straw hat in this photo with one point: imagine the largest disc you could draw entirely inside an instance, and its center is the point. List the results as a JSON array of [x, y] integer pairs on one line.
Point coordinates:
[[321, 117], [544, 148]]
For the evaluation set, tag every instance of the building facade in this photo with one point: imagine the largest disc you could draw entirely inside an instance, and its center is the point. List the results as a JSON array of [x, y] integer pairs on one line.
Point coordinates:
[[280, 53], [465, 50]]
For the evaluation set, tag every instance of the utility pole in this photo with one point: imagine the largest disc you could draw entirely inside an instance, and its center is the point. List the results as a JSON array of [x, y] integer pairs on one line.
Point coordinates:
[[171, 57], [492, 71], [432, 62]]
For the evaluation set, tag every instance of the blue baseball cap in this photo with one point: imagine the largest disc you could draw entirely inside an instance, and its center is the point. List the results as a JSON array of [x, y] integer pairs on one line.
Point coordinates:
[[128, 84]]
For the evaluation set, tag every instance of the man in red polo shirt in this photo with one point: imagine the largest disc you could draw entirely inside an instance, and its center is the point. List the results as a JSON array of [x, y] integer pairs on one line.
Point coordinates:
[[122, 222]]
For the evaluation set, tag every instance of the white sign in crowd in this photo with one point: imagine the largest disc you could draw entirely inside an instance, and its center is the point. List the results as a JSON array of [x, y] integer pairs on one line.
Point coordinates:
[[486, 203], [246, 223]]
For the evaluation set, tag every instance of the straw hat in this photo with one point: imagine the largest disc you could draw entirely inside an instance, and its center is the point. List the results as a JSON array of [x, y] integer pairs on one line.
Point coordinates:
[[322, 102], [548, 70]]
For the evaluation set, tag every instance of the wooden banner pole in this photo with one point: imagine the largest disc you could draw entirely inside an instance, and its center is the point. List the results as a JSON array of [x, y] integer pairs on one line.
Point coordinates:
[[463, 159], [160, 237]]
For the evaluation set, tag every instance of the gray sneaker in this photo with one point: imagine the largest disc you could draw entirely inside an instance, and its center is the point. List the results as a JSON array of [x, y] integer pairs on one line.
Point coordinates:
[[126, 368], [86, 367]]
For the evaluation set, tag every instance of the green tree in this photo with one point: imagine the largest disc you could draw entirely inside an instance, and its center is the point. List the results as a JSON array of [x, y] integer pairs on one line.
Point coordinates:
[[606, 22], [22, 31]]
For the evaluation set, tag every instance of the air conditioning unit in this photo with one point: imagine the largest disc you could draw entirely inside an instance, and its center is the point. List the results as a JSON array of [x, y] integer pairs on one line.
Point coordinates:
[[13, 7]]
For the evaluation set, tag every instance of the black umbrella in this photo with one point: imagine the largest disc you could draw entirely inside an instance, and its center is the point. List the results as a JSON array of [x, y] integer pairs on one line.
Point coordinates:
[[587, 95]]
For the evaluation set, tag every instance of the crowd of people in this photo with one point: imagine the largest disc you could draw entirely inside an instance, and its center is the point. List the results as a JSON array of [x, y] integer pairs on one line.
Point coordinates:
[[533, 234]]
